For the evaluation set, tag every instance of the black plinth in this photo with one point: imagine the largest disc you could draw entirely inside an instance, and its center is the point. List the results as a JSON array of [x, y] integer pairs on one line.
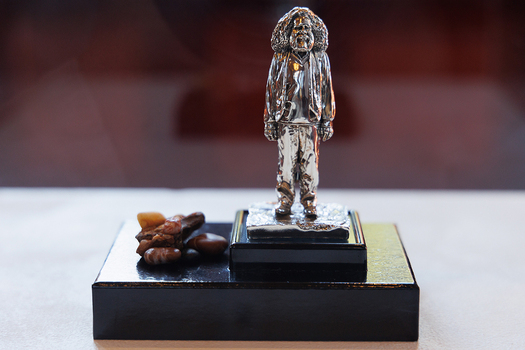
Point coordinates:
[[294, 253], [203, 300]]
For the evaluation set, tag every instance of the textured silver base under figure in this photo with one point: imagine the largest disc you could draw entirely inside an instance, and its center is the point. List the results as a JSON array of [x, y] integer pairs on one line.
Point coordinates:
[[333, 222]]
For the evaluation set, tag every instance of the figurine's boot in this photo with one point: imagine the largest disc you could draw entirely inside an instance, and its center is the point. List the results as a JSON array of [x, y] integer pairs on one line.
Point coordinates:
[[285, 194], [283, 209], [309, 202], [310, 209]]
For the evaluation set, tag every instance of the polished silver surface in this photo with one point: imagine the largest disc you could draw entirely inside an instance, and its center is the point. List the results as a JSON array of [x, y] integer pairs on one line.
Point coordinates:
[[300, 105], [331, 221]]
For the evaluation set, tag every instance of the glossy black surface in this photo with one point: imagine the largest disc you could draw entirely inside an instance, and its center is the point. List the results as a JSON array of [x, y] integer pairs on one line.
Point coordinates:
[[200, 299]]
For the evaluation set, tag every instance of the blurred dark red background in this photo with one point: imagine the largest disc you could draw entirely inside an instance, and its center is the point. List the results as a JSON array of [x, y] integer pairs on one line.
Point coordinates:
[[430, 94]]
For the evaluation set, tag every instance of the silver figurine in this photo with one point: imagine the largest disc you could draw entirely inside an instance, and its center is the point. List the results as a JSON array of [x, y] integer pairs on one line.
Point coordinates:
[[300, 105]]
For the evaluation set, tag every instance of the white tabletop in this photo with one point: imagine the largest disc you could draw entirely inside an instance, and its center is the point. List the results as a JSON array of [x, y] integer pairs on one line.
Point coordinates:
[[466, 249]]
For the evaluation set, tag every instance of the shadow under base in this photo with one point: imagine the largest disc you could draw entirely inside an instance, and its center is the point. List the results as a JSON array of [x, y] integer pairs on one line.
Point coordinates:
[[204, 300]]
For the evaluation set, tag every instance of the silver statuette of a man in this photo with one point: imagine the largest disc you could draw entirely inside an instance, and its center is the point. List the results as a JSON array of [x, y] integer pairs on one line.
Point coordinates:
[[300, 105]]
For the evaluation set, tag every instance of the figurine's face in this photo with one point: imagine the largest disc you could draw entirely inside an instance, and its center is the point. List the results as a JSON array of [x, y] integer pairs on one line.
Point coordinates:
[[302, 38]]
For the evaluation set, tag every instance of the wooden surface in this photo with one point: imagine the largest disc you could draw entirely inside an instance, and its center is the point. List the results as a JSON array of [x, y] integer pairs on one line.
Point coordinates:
[[466, 249]]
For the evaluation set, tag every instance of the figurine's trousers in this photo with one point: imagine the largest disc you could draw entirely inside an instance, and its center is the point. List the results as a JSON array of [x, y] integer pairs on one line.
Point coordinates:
[[298, 152]]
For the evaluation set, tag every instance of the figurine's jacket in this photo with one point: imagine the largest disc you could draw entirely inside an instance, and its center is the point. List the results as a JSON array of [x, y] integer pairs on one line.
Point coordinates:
[[320, 94]]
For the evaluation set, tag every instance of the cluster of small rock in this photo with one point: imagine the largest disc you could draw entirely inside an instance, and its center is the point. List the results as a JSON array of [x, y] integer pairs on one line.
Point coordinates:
[[163, 240]]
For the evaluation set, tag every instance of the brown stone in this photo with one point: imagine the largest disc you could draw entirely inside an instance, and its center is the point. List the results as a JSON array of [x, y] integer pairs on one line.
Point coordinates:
[[190, 256], [191, 223], [148, 232], [144, 245], [157, 256], [159, 240], [208, 244], [172, 225]]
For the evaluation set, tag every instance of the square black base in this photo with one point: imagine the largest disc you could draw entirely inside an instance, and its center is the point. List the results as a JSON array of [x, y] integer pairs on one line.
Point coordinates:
[[203, 300], [298, 253]]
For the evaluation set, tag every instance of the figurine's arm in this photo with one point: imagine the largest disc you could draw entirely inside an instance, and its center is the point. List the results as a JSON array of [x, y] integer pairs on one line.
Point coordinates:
[[327, 97], [273, 92]]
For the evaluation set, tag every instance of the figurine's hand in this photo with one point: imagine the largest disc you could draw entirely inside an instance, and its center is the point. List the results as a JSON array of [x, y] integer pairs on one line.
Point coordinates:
[[326, 131], [270, 131]]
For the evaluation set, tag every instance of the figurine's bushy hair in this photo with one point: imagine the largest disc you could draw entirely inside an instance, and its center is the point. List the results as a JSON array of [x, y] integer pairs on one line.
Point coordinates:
[[283, 29]]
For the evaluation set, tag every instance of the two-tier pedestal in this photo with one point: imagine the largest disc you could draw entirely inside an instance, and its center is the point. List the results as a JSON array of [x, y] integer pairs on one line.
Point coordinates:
[[308, 286]]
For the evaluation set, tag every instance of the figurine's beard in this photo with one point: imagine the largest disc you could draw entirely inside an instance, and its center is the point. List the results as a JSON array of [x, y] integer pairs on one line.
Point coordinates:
[[302, 42]]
